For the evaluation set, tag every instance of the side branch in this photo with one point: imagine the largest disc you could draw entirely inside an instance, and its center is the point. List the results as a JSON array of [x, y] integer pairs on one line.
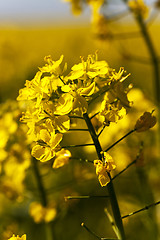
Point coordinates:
[[142, 209], [120, 140]]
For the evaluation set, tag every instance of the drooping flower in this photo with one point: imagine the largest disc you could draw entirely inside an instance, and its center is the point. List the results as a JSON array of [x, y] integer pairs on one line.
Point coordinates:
[[103, 167], [145, 122]]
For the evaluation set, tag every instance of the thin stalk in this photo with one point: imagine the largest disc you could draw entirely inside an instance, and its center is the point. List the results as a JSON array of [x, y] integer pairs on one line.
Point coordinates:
[[133, 130], [101, 131], [83, 197], [142, 209], [113, 198], [94, 115], [95, 235], [82, 159], [78, 129], [99, 93], [74, 116], [80, 145], [114, 227], [130, 164], [91, 232]]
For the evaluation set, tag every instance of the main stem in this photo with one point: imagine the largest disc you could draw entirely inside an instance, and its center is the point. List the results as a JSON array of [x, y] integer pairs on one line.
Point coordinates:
[[39, 182], [153, 55], [44, 201], [113, 198]]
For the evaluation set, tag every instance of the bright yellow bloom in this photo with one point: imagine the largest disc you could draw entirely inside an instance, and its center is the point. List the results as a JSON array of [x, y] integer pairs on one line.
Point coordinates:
[[87, 91], [139, 8], [111, 113], [18, 238], [46, 146], [36, 89], [53, 67], [41, 213], [52, 99], [64, 104], [115, 102], [89, 69], [145, 122], [103, 167], [62, 158], [80, 105]]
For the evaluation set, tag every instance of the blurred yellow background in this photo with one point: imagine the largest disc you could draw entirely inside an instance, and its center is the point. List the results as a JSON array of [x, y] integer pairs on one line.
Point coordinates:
[[22, 50]]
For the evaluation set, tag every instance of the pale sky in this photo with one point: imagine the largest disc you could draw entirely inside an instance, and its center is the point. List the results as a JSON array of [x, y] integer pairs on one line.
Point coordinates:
[[43, 11], [27, 11]]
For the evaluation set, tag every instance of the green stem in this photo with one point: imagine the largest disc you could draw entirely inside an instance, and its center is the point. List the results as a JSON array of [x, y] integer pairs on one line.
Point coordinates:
[[78, 129], [44, 201], [153, 55], [83, 197], [133, 130], [39, 182], [91, 232], [130, 164], [113, 198], [142, 209], [79, 145]]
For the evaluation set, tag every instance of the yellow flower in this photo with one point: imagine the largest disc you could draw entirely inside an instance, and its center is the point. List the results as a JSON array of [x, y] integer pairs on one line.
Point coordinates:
[[117, 92], [87, 91], [18, 238], [110, 112], [109, 163], [80, 105], [102, 168], [101, 172], [36, 89], [64, 104], [115, 103], [89, 69], [139, 8], [62, 122], [53, 67], [62, 158], [46, 146], [41, 213], [145, 122]]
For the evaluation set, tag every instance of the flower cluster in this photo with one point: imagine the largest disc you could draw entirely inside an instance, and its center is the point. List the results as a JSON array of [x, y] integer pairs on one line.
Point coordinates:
[[14, 151], [103, 168], [53, 99], [41, 213]]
